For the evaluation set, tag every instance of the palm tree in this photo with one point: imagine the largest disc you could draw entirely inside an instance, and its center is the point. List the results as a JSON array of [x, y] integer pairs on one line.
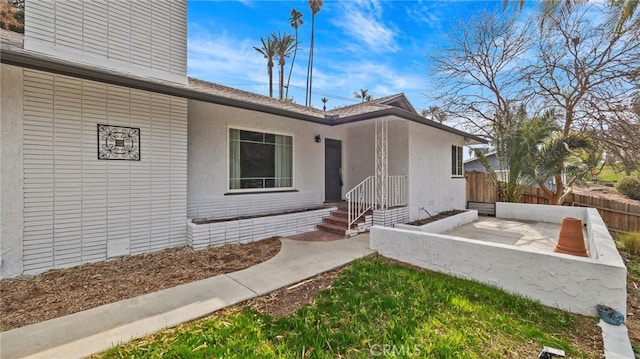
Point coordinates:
[[295, 21], [284, 45], [533, 151], [324, 103], [568, 155], [516, 139], [363, 94], [315, 6], [622, 13], [435, 113], [268, 50]]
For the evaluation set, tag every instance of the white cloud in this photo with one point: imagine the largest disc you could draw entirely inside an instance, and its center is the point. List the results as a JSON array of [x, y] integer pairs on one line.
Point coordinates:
[[362, 21], [380, 79], [249, 3], [220, 56], [229, 58], [427, 12]]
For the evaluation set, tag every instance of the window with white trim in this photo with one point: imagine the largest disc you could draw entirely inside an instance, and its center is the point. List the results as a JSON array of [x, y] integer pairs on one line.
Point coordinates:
[[259, 160], [456, 161]]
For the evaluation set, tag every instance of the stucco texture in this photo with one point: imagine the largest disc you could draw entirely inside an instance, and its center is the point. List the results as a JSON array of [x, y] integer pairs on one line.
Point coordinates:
[[209, 126], [431, 184], [11, 169]]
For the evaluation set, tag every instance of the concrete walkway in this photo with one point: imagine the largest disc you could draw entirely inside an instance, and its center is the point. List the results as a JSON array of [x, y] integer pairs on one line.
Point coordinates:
[[81, 334]]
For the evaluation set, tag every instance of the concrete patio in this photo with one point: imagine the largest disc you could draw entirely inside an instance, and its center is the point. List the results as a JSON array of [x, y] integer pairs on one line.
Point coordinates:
[[523, 234]]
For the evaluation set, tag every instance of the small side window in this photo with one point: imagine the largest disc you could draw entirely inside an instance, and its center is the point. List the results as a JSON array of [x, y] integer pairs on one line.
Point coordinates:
[[456, 161]]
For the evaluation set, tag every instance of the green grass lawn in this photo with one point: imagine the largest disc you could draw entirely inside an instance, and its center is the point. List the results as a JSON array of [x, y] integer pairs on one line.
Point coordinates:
[[379, 309], [608, 174]]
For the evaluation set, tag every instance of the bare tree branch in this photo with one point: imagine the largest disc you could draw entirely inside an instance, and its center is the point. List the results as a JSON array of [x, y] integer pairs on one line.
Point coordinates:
[[479, 70]]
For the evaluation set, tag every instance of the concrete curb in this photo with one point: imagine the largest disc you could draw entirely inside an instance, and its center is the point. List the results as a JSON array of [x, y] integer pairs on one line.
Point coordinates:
[[616, 341]]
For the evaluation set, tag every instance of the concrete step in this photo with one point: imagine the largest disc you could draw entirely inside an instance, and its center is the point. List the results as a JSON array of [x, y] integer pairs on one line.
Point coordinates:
[[332, 228], [339, 221], [340, 213]]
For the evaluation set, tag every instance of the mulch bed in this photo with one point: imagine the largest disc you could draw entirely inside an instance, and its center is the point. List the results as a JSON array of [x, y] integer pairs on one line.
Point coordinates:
[[32, 299], [285, 301]]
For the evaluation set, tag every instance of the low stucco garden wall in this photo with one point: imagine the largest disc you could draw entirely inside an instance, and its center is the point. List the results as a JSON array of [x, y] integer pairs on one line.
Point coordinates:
[[254, 229], [444, 224], [571, 283]]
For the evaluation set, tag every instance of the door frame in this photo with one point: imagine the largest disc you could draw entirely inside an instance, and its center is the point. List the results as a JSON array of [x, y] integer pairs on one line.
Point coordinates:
[[337, 143]]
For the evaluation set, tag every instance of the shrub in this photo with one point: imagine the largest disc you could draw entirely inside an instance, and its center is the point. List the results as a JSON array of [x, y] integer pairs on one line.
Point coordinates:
[[629, 242], [630, 187]]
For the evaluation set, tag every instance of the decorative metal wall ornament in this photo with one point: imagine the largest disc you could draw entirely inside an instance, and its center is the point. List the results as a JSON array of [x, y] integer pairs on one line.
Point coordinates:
[[118, 143]]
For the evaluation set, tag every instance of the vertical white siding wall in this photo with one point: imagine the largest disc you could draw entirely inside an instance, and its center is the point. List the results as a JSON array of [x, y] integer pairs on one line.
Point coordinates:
[[144, 37], [76, 206], [430, 182]]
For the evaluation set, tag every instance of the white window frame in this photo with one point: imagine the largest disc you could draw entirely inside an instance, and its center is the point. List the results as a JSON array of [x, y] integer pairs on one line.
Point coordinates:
[[459, 161], [258, 190]]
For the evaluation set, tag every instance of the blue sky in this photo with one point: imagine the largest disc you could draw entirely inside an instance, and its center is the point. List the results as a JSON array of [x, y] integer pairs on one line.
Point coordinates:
[[381, 46]]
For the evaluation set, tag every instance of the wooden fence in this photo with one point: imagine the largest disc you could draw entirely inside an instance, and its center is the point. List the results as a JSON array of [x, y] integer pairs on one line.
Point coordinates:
[[618, 216]]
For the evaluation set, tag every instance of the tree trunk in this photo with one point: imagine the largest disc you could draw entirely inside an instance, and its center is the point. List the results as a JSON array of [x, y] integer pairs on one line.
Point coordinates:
[[310, 65], [281, 63], [270, 79], [555, 197], [293, 60]]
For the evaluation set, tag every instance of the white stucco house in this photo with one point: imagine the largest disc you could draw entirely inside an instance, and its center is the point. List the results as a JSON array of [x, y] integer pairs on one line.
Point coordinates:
[[107, 148]]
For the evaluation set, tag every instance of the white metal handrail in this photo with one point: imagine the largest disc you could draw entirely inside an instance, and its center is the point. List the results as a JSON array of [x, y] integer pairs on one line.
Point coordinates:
[[397, 191], [360, 199]]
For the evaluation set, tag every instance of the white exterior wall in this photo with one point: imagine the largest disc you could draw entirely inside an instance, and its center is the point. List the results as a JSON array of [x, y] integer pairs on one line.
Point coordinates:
[[572, 283], [208, 153], [358, 153], [79, 209], [11, 178], [359, 150], [430, 182], [398, 147], [143, 37]]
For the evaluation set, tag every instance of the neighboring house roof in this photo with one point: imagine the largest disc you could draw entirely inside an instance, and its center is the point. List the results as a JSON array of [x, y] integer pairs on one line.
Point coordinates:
[[13, 53], [488, 155], [474, 164]]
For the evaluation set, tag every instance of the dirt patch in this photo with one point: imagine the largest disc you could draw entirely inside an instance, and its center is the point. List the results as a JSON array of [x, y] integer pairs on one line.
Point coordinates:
[[438, 216], [605, 192], [285, 301], [32, 299]]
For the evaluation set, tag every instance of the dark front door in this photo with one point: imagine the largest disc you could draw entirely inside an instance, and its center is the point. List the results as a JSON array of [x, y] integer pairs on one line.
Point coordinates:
[[332, 170]]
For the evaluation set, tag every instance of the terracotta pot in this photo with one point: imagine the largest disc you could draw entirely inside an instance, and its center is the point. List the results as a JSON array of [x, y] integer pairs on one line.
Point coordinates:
[[571, 239]]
